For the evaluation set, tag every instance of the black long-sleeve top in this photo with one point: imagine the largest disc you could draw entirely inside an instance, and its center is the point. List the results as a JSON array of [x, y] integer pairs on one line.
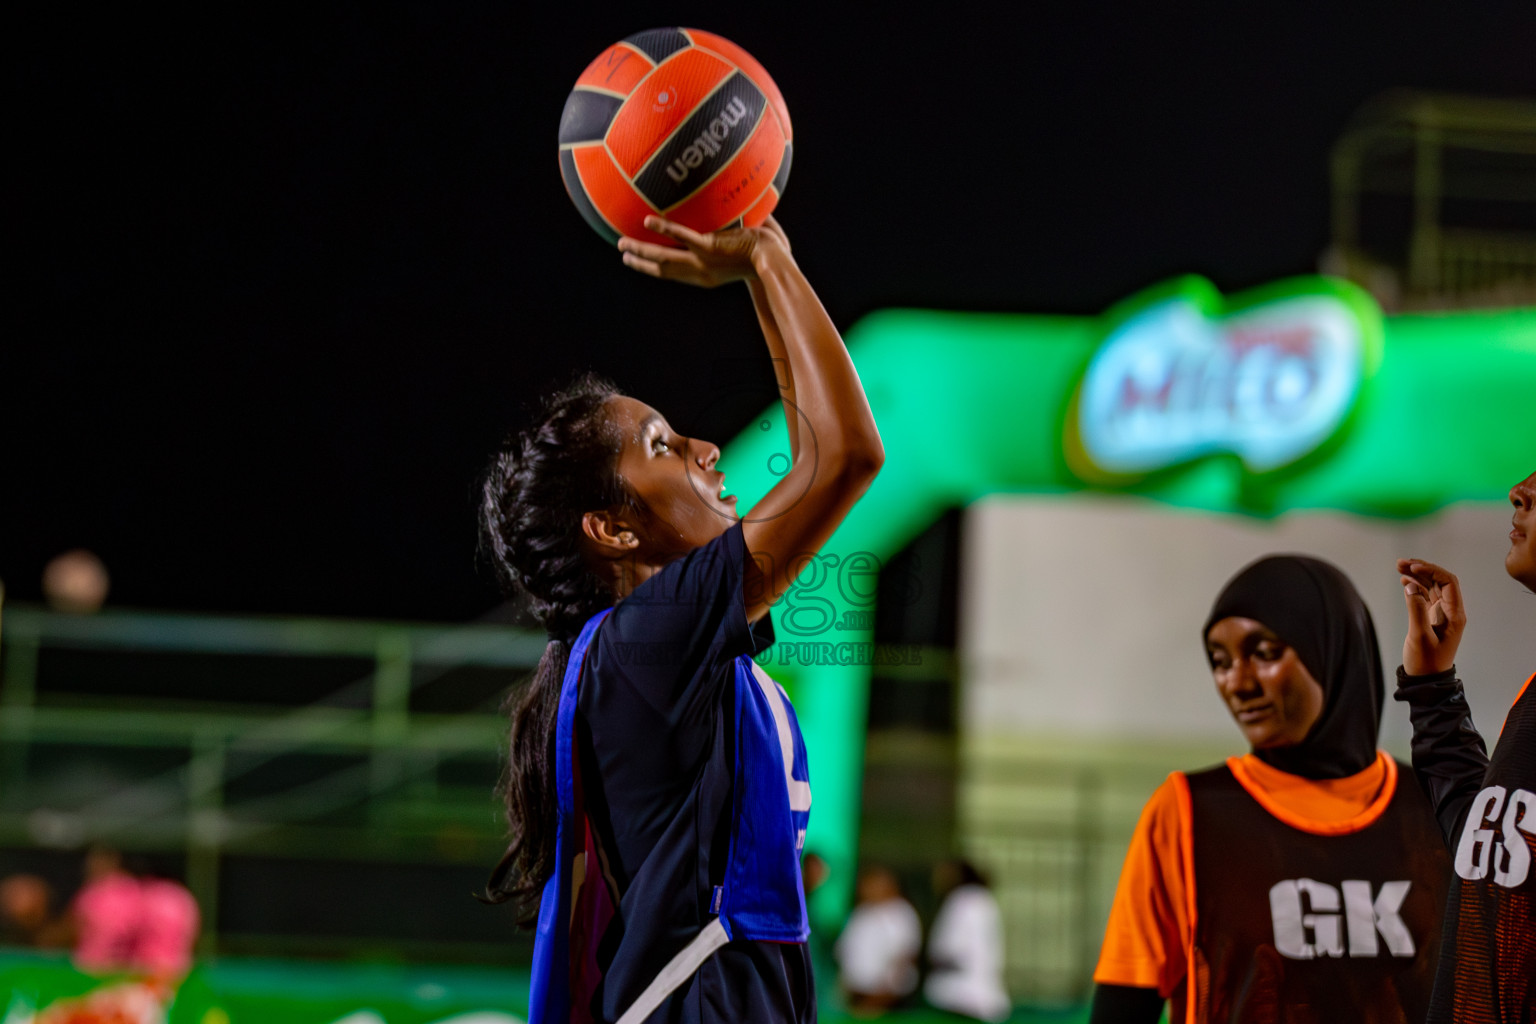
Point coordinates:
[[1449, 756]]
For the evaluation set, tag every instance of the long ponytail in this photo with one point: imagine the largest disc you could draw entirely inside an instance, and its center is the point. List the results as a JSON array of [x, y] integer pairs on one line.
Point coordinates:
[[533, 497]]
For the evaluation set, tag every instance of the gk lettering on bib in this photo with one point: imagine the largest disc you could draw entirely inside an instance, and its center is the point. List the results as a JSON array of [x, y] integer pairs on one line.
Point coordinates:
[[1306, 918]]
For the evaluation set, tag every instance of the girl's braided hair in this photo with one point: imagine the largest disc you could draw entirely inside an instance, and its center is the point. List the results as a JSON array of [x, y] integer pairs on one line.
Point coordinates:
[[534, 494]]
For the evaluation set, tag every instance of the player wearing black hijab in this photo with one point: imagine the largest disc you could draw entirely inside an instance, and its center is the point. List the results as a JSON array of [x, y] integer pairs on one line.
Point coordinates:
[[1487, 806], [1294, 883]]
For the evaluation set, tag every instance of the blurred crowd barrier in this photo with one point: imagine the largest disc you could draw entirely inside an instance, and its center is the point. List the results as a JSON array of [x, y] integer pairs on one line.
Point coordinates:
[[41, 990], [324, 787]]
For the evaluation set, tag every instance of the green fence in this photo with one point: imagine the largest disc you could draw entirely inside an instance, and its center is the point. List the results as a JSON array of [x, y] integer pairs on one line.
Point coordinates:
[[397, 790], [356, 774], [1050, 820], [282, 992]]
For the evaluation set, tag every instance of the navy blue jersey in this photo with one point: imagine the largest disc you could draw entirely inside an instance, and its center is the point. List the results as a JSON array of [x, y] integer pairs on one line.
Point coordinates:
[[667, 705]]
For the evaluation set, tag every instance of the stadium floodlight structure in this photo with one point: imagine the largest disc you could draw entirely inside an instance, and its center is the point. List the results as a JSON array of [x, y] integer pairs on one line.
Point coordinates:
[[1434, 201]]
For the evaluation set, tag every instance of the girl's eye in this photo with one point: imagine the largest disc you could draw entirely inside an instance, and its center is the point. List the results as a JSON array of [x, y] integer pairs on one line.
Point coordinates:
[[660, 447], [1270, 652]]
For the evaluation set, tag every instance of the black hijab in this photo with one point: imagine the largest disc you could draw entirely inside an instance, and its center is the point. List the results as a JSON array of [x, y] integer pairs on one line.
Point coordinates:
[[1314, 608]]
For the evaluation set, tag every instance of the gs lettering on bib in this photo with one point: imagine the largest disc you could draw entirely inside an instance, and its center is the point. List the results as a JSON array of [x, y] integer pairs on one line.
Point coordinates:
[[1493, 841], [1488, 973]]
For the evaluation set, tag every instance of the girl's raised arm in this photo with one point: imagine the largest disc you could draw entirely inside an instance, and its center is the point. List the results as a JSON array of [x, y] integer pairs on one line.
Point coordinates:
[[835, 446]]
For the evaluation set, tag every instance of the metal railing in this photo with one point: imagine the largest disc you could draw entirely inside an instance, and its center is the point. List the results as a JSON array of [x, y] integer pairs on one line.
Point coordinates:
[[1053, 873], [1479, 262], [371, 783], [1438, 157], [1050, 819], [369, 788]]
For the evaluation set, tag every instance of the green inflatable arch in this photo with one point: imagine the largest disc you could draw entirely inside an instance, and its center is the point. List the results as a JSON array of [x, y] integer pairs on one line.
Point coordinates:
[[1297, 395]]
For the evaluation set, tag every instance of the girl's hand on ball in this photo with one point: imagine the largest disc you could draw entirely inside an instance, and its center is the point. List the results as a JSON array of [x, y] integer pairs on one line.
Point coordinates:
[[706, 260]]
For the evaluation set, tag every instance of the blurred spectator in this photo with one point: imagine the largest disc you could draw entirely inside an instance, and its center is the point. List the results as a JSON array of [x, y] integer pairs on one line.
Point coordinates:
[[123, 922], [169, 931], [814, 872], [26, 914], [105, 912], [965, 947], [877, 952], [75, 581]]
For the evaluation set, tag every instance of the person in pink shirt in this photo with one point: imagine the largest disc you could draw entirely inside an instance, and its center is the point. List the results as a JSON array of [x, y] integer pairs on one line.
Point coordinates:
[[105, 913], [168, 929], [128, 923]]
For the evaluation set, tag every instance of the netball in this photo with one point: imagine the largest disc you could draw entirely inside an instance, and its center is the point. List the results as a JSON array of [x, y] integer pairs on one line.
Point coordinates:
[[677, 122]]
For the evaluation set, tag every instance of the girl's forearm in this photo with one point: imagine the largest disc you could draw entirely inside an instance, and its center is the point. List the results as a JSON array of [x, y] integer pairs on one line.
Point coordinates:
[[826, 387], [782, 372]]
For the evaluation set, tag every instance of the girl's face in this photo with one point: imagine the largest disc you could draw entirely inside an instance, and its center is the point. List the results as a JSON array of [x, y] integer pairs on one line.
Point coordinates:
[[675, 480], [1271, 695], [1520, 563]]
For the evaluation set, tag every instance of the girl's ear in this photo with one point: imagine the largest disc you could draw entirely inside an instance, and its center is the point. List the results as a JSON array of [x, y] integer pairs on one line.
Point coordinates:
[[609, 533]]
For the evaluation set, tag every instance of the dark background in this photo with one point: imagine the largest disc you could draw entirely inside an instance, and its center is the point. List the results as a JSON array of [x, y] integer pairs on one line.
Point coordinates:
[[279, 281]]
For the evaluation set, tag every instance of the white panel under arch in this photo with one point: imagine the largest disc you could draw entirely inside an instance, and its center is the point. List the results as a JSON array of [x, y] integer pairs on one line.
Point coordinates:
[[1081, 616]]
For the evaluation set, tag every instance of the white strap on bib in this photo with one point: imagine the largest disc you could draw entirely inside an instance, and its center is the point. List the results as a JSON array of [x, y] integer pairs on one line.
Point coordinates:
[[678, 970]]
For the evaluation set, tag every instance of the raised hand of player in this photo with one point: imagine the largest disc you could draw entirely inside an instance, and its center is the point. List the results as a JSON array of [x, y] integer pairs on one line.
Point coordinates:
[[1436, 617], [706, 260]]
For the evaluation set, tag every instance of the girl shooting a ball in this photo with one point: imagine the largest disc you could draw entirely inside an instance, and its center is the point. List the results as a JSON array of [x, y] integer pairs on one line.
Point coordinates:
[[657, 788]]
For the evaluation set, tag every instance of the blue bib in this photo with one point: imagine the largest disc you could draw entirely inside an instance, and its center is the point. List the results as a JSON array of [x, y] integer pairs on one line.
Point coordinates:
[[761, 897]]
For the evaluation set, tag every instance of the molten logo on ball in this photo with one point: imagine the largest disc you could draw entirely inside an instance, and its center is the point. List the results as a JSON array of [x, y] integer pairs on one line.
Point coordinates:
[[708, 142]]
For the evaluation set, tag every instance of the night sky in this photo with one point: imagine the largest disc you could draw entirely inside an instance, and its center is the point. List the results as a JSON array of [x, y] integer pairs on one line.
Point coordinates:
[[278, 282]]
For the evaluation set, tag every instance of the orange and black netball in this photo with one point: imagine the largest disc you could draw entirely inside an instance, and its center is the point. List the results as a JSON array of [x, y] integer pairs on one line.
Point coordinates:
[[677, 122]]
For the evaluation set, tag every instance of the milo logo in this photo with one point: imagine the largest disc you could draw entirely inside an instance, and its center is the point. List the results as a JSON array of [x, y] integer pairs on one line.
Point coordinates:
[[1179, 376]]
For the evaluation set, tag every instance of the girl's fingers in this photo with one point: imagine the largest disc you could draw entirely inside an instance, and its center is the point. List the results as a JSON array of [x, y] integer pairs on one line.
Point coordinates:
[[1440, 585], [1420, 621], [671, 229], [662, 261], [655, 251], [640, 263], [772, 226], [1427, 572], [1450, 596]]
